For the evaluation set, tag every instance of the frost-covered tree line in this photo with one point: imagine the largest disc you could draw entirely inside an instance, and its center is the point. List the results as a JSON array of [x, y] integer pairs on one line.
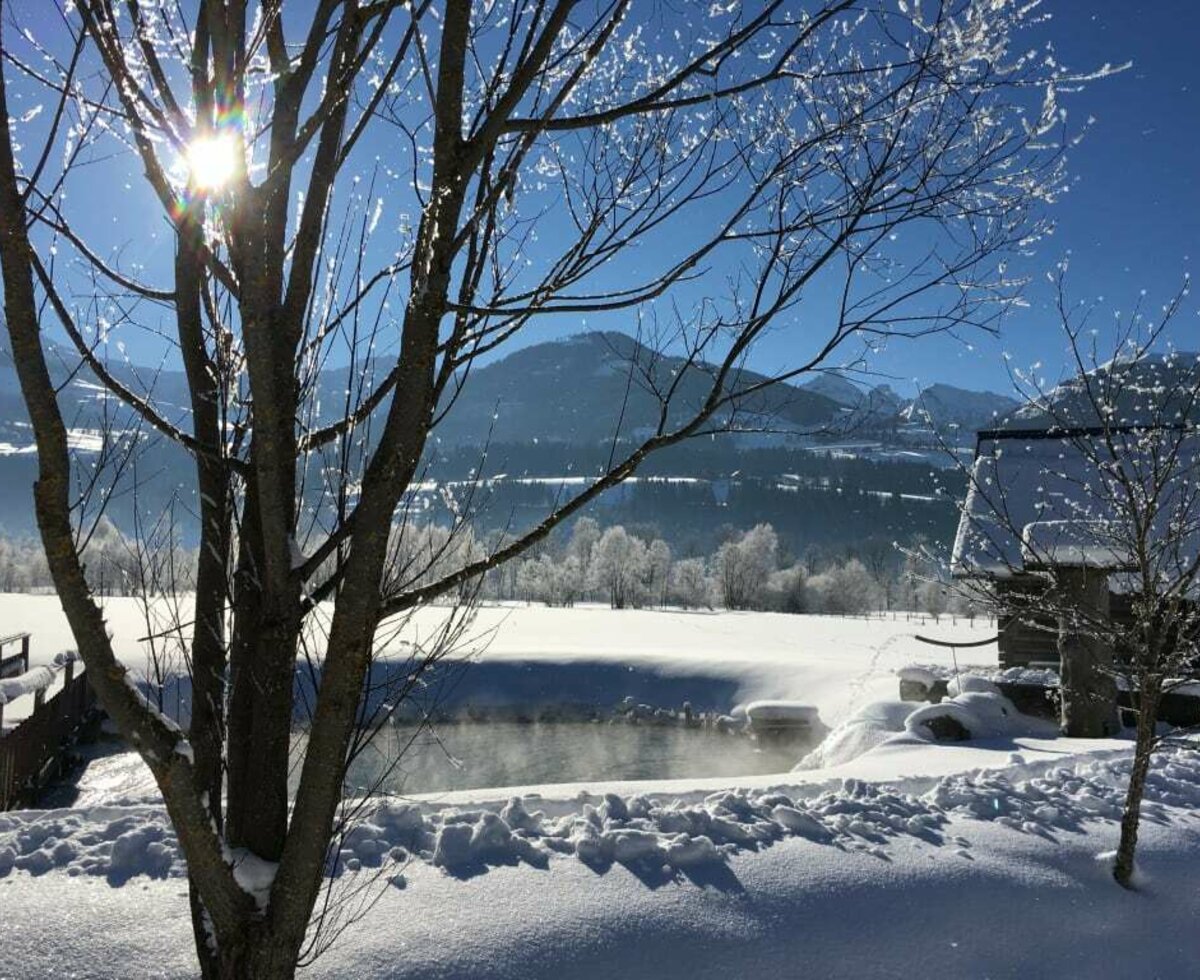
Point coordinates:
[[749, 570], [119, 563]]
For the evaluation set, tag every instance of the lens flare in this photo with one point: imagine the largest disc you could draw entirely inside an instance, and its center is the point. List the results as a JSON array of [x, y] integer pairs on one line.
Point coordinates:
[[212, 161]]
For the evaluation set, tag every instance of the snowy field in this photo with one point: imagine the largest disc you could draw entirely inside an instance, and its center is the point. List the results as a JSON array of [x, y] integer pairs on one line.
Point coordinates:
[[979, 859], [834, 663]]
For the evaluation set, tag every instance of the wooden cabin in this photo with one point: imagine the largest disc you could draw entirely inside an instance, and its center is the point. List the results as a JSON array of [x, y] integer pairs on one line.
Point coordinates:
[[1025, 483], [1028, 640]]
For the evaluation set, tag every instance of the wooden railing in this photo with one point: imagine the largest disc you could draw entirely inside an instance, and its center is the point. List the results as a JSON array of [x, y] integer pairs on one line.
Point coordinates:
[[35, 751], [16, 663]]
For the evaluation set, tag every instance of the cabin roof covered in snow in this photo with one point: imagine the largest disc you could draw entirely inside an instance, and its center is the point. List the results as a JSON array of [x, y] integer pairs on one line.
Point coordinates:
[[1035, 499]]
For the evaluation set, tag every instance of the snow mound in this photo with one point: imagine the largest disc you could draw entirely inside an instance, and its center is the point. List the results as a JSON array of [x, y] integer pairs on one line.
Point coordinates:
[[660, 840], [781, 712], [1064, 798], [113, 842], [1038, 676], [973, 714], [868, 727], [916, 674], [971, 683]]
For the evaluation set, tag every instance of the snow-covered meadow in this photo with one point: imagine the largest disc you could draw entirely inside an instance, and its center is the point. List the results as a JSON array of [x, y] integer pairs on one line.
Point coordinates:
[[834, 663], [975, 859]]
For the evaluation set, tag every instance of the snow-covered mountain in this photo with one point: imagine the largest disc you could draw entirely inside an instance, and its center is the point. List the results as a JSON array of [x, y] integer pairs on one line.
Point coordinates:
[[585, 383], [1158, 387], [836, 388], [945, 407], [861, 405], [954, 414], [550, 410]]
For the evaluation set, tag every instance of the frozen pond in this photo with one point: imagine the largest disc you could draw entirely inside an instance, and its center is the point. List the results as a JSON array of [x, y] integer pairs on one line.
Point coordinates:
[[411, 760]]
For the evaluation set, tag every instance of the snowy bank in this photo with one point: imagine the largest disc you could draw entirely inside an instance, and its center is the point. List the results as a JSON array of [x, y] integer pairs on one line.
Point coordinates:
[[652, 886]]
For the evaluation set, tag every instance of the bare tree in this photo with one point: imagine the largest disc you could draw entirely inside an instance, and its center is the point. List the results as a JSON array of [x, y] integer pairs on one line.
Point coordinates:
[[558, 159], [743, 567], [1085, 516], [619, 564], [881, 557], [690, 584], [658, 571]]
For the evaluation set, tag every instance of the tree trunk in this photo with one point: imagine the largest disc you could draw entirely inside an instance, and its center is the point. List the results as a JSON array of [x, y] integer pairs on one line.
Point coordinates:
[[1089, 692], [1148, 701], [261, 955]]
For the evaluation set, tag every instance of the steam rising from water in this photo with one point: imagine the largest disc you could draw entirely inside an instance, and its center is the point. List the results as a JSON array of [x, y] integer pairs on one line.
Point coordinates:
[[477, 756]]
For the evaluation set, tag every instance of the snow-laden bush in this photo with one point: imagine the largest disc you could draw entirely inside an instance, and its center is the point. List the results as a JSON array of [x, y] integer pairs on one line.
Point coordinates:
[[787, 590], [619, 564]]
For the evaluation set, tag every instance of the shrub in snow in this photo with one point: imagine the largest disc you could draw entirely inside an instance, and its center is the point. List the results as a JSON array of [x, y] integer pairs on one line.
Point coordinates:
[[743, 567], [787, 590], [690, 585], [619, 564], [845, 590]]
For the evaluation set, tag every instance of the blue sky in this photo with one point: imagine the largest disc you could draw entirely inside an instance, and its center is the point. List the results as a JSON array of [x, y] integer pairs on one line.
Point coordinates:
[[1131, 221], [1132, 218]]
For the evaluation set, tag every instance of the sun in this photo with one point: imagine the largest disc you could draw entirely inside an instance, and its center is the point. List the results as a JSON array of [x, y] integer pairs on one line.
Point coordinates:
[[212, 161]]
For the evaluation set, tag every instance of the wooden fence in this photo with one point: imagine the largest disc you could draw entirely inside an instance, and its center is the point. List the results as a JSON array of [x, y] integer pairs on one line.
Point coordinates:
[[34, 752], [15, 663]]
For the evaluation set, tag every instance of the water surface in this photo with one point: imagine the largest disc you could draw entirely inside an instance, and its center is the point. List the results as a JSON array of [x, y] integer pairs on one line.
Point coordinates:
[[410, 760]]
